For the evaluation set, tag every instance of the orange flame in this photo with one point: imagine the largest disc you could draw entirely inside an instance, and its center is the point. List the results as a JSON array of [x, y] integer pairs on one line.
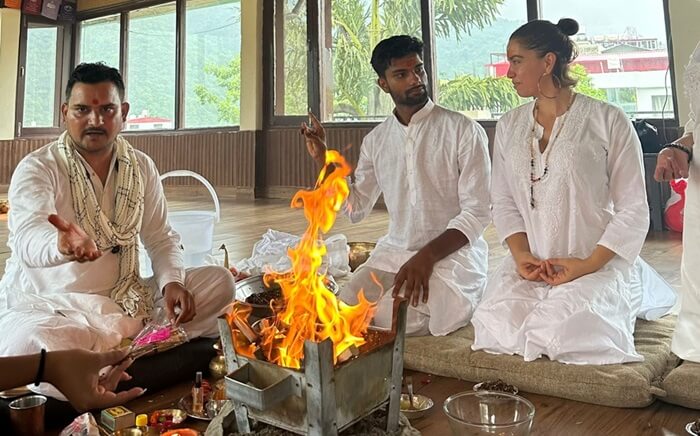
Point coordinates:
[[310, 310]]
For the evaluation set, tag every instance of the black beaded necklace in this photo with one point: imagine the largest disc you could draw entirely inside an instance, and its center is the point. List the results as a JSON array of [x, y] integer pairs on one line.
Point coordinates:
[[534, 143]]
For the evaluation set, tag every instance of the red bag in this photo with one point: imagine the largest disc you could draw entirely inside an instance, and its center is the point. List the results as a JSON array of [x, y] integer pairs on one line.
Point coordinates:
[[673, 213], [32, 7], [14, 4]]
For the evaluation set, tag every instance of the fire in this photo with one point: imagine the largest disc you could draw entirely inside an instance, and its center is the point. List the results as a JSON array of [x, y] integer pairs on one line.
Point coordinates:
[[310, 311]]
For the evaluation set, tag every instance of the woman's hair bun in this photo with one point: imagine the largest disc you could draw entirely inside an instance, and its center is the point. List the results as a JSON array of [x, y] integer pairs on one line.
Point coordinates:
[[568, 26]]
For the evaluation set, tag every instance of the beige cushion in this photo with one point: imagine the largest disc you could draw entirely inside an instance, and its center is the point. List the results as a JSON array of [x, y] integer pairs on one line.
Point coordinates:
[[626, 385], [682, 385]]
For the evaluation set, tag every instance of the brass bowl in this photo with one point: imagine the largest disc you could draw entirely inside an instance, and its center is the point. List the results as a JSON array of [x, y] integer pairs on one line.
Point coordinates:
[[421, 406], [217, 367], [359, 253]]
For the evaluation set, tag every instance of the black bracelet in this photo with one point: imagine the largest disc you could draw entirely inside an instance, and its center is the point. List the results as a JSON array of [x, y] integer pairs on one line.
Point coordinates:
[[681, 147], [40, 373]]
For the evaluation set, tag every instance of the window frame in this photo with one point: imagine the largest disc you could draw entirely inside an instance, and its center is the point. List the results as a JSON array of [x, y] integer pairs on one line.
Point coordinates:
[[71, 48], [180, 59], [64, 32], [314, 13]]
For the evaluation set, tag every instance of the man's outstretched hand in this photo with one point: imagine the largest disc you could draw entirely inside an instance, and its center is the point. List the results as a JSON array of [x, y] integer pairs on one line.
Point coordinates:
[[73, 241]]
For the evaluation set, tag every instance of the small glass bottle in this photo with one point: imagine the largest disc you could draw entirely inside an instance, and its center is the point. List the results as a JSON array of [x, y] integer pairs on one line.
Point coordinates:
[[198, 395], [142, 423]]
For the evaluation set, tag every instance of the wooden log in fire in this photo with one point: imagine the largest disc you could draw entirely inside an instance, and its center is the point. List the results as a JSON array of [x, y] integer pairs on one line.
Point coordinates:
[[246, 330], [349, 353]]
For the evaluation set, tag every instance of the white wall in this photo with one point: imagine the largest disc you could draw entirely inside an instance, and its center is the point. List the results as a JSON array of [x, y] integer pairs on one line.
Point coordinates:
[[251, 65], [9, 55]]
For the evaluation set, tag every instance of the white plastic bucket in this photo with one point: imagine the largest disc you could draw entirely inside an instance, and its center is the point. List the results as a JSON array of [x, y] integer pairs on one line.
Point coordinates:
[[195, 227]]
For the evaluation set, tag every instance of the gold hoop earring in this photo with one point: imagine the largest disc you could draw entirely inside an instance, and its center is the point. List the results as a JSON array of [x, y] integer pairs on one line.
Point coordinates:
[[539, 89], [558, 80]]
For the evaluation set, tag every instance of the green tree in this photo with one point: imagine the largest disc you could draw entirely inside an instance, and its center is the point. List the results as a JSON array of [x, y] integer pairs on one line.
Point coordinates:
[[355, 93], [228, 77], [355, 29], [585, 83], [495, 94], [294, 69]]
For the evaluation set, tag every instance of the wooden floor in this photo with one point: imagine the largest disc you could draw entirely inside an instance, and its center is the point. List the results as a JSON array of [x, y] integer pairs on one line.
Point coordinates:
[[242, 223]]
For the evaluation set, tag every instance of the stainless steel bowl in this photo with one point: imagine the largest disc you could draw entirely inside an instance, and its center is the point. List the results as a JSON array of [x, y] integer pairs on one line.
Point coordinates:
[[421, 406], [252, 285], [130, 431], [255, 285]]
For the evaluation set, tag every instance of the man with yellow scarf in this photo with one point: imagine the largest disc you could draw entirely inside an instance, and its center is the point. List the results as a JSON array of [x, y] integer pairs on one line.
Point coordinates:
[[78, 207]]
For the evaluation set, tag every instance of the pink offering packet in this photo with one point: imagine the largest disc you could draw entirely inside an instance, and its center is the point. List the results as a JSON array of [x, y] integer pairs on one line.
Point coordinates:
[[157, 335]]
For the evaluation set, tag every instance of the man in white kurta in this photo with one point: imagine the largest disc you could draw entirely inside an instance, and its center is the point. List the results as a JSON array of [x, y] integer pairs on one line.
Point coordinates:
[[434, 175], [432, 167], [685, 338], [47, 298], [593, 194]]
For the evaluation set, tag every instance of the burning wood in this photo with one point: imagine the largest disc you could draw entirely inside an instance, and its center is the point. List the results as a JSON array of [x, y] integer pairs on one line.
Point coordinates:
[[308, 310], [349, 353], [246, 330]]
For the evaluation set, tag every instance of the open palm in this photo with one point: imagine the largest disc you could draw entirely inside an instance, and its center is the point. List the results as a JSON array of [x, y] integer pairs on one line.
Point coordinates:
[[73, 241]]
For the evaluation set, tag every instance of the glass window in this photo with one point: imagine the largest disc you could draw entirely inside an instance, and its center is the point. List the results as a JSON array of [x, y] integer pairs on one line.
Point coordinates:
[[622, 49], [471, 62], [40, 76], [349, 85], [213, 69], [291, 55], [99, 40], [151, 68]]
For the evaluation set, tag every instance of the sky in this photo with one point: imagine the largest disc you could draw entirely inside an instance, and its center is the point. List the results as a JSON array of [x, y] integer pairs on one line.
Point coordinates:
[[598, 17]]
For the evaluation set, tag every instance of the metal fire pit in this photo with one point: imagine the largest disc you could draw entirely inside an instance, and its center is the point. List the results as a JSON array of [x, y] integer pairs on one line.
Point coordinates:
[[320, 399]]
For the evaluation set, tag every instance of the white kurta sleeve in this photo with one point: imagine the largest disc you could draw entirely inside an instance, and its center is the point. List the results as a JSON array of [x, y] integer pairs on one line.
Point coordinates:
[[690, 125], [626, 231], [506, 216], [160, 240], [32, 199], [365, 191], [692, 64], [473, 184]]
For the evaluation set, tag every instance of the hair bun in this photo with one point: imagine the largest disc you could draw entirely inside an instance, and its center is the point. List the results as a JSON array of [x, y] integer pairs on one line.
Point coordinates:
[[568, 26]]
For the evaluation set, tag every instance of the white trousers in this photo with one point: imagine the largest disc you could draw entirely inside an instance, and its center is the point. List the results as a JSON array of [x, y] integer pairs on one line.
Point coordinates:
[[589, 321], [378, 286], [96, 323]]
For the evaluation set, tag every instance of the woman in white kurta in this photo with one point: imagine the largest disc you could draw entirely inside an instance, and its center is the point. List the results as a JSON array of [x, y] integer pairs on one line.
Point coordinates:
[[673, 162], [569, 200]]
